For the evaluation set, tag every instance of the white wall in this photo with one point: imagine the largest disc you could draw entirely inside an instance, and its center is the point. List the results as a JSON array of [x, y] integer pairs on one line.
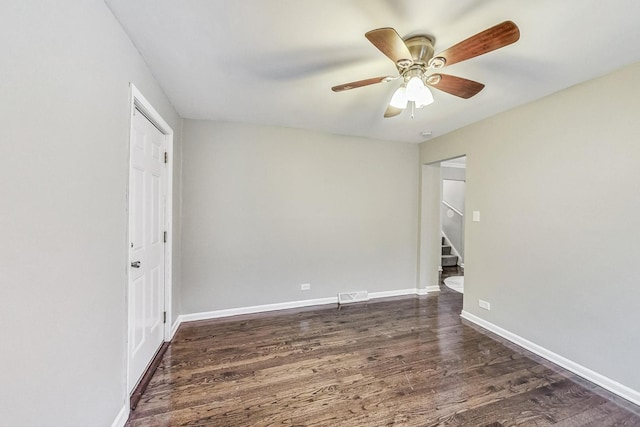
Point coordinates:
[[429, 249], [65, 70], [556, 249], [452, 173], [453, 193], [266, 209]]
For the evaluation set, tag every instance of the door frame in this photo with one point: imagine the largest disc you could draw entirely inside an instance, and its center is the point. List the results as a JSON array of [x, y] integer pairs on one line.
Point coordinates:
[[429, 253], [138, 101]]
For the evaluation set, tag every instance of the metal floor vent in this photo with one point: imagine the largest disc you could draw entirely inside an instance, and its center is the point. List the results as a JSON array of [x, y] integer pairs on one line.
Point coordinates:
[[347, 297]]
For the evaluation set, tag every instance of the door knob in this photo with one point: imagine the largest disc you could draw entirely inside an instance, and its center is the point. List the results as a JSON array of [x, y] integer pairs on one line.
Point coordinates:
[[135, 264]]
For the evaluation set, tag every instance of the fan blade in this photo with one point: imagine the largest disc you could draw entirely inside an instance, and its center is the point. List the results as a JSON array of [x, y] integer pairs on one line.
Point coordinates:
[[391, 44], [457, 86], [392, 111], [494, 38], [360, 83]]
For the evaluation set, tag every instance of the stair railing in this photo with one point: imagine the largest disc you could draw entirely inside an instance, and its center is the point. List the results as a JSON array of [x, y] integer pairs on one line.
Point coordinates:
[[452, 208]]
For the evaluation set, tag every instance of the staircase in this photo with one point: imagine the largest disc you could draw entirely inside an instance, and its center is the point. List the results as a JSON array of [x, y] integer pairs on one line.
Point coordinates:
[[448, 260]]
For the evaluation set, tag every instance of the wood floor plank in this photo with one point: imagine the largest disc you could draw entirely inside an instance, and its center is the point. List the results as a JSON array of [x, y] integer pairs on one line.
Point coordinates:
[[405, 361]]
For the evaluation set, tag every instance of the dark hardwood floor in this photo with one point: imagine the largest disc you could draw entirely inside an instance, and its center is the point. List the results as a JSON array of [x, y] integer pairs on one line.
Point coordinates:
[[406, 361]]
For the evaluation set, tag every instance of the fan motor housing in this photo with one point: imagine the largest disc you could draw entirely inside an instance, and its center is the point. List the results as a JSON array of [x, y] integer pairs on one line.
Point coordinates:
[[421, 48]]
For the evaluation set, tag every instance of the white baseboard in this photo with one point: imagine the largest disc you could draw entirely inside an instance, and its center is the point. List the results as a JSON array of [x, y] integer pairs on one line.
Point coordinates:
[[174, 328], [401, 292], [122, 417], [255, 309], [396, 293], [216, 314], [605, 382]]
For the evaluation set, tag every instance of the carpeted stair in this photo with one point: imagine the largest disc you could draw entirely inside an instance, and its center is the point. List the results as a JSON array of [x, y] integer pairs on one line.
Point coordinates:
[[448, 260]]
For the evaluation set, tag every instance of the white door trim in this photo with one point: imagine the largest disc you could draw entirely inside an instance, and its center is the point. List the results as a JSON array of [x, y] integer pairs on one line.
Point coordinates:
[[138, 101]]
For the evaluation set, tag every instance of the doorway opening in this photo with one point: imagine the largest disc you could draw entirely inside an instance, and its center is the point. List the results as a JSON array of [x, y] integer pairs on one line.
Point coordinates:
[[452, 216], [442, 222]]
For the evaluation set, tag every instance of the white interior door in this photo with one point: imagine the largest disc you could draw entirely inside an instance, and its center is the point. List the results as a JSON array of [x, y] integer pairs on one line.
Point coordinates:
[[147, 191]]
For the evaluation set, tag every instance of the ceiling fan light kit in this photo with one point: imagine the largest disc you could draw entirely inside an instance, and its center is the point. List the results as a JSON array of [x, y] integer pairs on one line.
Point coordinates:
[[399, 98], [418, 92], [414, 59]]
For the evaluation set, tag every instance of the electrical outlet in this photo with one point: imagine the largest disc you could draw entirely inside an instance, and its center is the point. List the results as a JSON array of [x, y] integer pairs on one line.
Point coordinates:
[[484, 304], [305, 286]]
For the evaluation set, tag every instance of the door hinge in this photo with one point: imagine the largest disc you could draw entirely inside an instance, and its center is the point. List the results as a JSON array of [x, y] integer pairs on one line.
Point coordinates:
[[165, 237], [166, 157], [164, 317]]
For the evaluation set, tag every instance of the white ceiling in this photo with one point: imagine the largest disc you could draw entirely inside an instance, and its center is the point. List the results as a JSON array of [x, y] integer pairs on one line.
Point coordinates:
[[273, 62]]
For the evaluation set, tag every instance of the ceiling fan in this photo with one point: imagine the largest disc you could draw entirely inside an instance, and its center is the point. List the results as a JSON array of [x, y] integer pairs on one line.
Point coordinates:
[[414, 58]]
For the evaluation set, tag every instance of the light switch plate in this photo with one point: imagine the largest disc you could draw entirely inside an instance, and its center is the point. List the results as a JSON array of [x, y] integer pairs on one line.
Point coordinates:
[[476, 216]]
